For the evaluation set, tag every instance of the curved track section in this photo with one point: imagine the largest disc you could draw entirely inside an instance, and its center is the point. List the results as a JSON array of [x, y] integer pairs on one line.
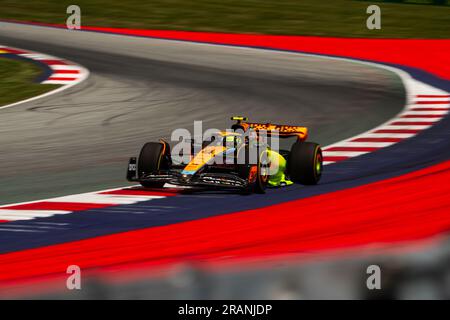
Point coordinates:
[[166, 212], [141, 89], [55, 71]]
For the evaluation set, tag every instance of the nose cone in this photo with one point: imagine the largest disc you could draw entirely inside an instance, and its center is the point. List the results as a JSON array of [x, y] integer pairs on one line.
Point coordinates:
[[185, 177]]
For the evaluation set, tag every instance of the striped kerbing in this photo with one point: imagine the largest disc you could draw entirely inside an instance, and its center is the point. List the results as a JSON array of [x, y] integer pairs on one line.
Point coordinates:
[[63, 72], [424, 109], [79, 202]]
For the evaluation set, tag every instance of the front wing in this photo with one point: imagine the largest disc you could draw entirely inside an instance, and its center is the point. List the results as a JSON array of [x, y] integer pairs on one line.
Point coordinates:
[[175, 177]]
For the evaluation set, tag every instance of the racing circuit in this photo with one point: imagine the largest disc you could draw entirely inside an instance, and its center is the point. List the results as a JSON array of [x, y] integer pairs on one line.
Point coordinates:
[[67, 146]]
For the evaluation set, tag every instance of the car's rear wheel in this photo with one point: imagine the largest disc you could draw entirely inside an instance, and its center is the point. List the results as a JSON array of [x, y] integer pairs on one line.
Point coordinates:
[[305, 163], [152, 158]]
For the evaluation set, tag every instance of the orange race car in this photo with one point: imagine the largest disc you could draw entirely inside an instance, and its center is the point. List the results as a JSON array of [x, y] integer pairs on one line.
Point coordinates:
[[242, 158]]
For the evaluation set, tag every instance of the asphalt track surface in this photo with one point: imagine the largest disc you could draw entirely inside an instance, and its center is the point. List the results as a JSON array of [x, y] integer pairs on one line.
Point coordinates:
[[141, 89], [314, 77]]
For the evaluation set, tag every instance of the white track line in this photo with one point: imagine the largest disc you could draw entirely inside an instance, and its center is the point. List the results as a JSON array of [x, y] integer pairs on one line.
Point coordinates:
[[9, 214], [360, 144], [103, 198], [418, 119], [434, 112], [412, 127], [389, 135]]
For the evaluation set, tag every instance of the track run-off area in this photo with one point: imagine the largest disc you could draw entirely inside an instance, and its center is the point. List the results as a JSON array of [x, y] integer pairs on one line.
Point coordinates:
[[386, 155]]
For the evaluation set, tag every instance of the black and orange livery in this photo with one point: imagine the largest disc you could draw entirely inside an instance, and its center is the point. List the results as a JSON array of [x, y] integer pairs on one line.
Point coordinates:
[[272, 129], [155, 166]]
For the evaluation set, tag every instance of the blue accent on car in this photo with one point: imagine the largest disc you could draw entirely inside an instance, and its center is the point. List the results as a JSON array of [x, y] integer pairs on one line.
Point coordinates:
[[190, 172]]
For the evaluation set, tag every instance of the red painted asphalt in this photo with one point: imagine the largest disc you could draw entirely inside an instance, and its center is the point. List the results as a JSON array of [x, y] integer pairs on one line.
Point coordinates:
[[402, 209], [425, 54]]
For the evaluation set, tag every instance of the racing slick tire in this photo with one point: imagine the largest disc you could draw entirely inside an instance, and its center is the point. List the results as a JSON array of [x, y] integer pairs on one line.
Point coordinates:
[[153, 157], [256, 174], [305, 163]]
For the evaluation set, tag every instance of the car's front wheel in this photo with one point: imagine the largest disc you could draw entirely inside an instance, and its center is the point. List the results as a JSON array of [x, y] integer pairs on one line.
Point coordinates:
[[152, 158]]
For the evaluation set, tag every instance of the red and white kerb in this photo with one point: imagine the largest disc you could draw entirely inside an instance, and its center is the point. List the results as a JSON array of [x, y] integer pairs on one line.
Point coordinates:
[[426, 106], [64, 72]]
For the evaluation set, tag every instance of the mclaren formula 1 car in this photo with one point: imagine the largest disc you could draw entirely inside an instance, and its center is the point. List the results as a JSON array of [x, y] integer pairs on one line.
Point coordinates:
[[238, 159]]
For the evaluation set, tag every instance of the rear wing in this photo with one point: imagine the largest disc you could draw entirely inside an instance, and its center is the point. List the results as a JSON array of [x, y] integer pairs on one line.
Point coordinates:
[[280, 130]]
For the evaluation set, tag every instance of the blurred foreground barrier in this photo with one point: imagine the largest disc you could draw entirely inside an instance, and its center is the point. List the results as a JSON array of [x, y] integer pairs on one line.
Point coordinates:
[[422, 273]]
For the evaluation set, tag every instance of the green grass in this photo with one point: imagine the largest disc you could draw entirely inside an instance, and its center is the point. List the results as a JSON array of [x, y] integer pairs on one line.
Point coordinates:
[[346, 18], [16, 81]]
